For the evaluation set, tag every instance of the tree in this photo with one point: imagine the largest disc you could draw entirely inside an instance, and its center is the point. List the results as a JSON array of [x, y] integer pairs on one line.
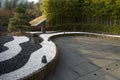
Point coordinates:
[[62, 11], [33, 10], [67, 13], [10, 5], [20, 20], [4, 18]]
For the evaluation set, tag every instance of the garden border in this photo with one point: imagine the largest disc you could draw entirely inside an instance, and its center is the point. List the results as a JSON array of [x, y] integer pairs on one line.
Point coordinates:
[[42, 73]]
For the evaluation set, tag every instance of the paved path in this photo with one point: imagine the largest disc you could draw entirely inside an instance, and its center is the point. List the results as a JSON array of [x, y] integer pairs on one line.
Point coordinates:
[[87, 58]]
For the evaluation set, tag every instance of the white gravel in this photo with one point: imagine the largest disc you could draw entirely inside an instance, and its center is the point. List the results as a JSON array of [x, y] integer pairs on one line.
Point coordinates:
[[34, 63], [14, 47]]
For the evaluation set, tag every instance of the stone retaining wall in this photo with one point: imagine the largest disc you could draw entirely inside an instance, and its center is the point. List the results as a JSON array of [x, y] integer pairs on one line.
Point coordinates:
[[42, 73]]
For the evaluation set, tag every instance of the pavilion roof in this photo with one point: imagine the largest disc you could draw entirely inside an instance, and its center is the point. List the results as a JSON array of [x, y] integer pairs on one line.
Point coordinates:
[[37, 21]]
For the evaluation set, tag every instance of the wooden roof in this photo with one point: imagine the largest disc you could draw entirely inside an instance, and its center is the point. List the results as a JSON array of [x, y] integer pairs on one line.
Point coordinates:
[[37, 20]]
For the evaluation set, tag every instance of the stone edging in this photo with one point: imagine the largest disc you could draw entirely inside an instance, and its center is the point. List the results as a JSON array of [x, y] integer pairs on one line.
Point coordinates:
[[39, 74], [49, 67], [43, 72]]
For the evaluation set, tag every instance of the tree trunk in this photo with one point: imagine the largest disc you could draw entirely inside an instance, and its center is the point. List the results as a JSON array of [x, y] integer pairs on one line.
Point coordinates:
[[115, 20], [110, 21]]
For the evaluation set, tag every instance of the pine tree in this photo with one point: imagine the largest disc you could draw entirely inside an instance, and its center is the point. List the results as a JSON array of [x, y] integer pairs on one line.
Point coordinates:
[[20, 20]]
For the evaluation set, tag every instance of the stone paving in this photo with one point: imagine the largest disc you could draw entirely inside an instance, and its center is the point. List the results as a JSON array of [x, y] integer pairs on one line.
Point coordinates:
[[87, 58]]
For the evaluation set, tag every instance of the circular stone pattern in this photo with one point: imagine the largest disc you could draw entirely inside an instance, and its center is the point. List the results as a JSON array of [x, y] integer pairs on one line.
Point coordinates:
[[87, 58]]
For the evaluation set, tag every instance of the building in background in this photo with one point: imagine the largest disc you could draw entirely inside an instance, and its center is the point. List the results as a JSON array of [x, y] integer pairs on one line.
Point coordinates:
[[39, 23], [2, 2], [22, 1]]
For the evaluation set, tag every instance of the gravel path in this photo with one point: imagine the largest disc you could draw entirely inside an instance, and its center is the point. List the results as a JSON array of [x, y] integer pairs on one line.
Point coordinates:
[[3, 40], [87, 58], [19, 60]]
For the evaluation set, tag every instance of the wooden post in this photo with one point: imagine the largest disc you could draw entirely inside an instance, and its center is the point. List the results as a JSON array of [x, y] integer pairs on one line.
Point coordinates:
[[43, 29]]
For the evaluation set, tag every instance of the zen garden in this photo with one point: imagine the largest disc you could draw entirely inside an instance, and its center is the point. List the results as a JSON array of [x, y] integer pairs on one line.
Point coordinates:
[[59, 39]]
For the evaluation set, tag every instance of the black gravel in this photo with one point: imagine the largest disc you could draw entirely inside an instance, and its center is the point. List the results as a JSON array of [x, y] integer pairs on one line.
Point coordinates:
[[19, 60], [3, 40]]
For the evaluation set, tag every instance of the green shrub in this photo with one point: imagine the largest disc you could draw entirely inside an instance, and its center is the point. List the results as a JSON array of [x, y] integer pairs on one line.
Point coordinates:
[[86, 27]]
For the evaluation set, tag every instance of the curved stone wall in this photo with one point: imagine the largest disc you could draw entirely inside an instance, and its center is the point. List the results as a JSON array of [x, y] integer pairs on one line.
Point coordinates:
[[48, 68], [34, 69]]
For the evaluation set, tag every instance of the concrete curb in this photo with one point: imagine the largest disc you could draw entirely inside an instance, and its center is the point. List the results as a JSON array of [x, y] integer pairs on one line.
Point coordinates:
[[34, 69]]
